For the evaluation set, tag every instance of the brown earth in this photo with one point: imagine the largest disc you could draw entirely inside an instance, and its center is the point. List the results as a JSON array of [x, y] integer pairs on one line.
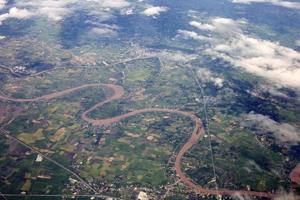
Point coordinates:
[[295, 175]]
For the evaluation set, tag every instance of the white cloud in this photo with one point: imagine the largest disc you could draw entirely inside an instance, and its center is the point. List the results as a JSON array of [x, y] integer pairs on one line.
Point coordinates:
[[282, 3], [15, 13], [283, 133], [274, 90], [127, 11], [2, 37], [298, 43], [154, 10], [99, 11], [191, 35], [205, 27], [261, 57], [2, 4], [105, 30], [207, 76], [227, 26], [116, 4], [100, 16], [57, 10]]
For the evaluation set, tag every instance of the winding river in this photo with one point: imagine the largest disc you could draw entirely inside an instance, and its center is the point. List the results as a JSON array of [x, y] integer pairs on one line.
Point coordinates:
[[118, 93]]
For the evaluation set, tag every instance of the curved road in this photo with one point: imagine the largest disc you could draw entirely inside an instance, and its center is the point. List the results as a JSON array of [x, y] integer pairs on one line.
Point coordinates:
[[196, 135]]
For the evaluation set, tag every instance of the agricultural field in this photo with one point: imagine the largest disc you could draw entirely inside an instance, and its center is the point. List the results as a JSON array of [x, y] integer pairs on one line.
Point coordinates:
[[149, 99]]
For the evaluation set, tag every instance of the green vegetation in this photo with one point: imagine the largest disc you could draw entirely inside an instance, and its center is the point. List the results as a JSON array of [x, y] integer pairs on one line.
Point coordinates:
[[238, 155], [31, 138], [138, 151]]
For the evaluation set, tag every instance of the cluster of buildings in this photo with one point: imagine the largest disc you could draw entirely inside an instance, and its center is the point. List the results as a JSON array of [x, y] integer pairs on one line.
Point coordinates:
[[21, 70]]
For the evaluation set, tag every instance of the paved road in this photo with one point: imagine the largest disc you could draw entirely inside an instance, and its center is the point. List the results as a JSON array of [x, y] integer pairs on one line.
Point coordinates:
[[196, 135]]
